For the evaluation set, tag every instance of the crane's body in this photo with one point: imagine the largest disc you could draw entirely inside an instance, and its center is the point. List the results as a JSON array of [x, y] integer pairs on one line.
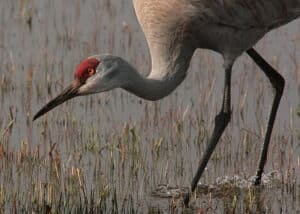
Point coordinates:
[[174, 29], [226, 26]]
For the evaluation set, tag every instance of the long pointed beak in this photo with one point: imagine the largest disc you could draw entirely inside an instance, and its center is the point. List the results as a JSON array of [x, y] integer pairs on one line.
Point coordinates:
[[68, 93]]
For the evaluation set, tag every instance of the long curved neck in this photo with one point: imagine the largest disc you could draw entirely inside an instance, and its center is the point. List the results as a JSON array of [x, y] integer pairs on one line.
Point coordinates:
[[167, 73], [152, 89]]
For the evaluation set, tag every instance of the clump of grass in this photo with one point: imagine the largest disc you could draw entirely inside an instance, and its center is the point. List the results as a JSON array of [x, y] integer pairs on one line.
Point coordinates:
[[298, 111], [157, 145]]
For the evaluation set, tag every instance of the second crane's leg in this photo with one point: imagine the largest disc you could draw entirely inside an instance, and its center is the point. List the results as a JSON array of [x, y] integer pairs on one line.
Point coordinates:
[[221, 121], [277, 82]]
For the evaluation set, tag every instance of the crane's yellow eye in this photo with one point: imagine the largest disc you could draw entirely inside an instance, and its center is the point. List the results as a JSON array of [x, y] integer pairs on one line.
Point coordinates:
[[91, 71]]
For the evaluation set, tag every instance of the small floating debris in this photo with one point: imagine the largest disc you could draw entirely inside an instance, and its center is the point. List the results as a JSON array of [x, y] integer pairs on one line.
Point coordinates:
[[166, 191], [222, 187]]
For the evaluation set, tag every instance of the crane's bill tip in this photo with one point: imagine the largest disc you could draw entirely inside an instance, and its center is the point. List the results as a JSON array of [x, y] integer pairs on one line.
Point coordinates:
[[36, 116], [68, 93], [39, 114]]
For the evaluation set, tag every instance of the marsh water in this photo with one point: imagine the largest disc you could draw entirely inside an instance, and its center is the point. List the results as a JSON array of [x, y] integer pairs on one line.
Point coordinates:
[[114, 152]]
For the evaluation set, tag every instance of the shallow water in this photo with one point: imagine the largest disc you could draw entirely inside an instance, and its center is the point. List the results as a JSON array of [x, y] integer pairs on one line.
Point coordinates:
[[113, 150]]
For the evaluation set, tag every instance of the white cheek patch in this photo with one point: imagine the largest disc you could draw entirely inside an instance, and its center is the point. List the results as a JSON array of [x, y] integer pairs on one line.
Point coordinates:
[[94, 84], [90, 85]]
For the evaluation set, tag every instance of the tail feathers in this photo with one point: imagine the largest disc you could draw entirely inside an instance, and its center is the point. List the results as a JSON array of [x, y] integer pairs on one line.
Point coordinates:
[[293, 14], [296, 11]]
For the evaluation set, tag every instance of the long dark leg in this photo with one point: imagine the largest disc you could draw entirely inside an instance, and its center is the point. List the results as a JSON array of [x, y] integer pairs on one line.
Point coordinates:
[[277, 82], [221, 121]]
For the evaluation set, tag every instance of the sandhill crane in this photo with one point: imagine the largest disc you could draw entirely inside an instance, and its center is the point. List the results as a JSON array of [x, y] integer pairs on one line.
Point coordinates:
[[174, 29]]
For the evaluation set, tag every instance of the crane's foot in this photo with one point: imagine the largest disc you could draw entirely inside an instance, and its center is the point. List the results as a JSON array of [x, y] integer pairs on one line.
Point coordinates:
[[256, 180], [257, 177], [186, 199]]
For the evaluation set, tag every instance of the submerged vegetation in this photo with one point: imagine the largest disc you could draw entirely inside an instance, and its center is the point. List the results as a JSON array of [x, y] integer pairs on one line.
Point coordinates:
[[116, 153]]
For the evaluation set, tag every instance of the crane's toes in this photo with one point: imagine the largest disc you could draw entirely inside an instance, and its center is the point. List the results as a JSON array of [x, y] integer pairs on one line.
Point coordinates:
[[256, 180], [186, 199], [266, 178]]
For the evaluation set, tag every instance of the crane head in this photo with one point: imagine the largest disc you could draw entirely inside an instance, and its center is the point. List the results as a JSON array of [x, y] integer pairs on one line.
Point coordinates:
[[92, 75]]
